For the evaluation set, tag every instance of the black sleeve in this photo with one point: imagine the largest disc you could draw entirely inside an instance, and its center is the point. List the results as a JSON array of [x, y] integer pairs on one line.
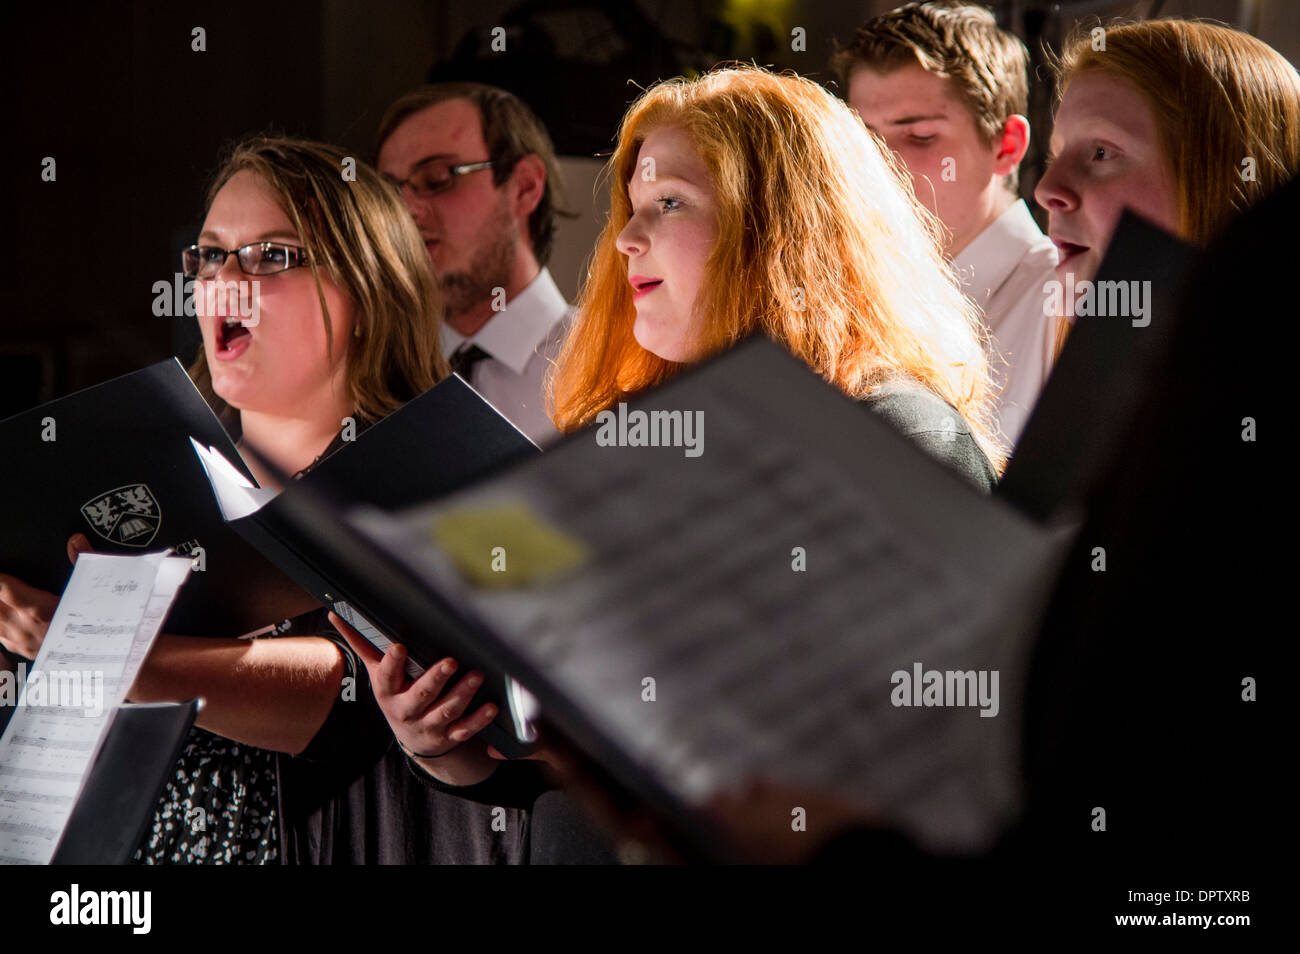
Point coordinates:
[[514, 784], [937, 428], [562, 833], [960, 453]]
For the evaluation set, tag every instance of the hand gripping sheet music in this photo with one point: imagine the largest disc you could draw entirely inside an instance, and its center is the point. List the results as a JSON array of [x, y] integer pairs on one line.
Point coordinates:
[[102, 630]]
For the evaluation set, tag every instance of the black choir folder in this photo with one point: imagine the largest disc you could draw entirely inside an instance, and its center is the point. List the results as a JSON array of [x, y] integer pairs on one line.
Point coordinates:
[[441, 441], [741, 572], [114, 462], [1111, 363], [117, 803]]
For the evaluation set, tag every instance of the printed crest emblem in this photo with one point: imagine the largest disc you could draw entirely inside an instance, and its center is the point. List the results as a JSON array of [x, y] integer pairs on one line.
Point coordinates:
[[129, 516]]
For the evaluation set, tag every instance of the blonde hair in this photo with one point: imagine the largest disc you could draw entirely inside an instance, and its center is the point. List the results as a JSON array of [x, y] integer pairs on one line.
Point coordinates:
[[820, 245], [361, 233], [1218, 97]]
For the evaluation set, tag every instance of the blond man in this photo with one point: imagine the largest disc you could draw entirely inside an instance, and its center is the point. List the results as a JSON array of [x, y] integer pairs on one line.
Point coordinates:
[[947, 91]]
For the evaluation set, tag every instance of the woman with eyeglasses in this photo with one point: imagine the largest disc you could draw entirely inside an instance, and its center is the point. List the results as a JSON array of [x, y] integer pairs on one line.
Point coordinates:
[[347, 325], [316, 305]]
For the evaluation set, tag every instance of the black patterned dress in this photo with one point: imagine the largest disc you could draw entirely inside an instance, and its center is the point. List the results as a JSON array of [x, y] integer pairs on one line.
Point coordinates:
[[218, 808]]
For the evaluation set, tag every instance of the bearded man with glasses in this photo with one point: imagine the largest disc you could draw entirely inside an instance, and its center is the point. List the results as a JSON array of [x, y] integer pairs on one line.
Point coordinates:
[[479, 174]]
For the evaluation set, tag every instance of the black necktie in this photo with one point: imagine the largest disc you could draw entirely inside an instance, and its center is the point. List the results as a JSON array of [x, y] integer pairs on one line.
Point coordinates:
[[465, 357]]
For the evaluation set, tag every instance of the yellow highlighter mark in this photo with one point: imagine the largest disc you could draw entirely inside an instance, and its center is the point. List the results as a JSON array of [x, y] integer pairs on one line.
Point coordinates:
[[506, 545]]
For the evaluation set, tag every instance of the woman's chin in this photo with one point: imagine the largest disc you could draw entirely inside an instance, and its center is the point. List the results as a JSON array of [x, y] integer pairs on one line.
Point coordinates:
[[661, 346], [233, 395]]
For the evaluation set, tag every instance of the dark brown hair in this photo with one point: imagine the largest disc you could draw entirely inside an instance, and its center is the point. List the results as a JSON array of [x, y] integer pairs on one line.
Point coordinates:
[[510, 131]]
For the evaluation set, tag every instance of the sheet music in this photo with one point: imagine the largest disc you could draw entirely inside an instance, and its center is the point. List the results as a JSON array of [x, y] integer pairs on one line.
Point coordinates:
[[757, 667], [102, 630]]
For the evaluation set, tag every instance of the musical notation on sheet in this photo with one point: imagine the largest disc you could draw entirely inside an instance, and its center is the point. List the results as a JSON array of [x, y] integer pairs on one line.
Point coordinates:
[[101, 632]]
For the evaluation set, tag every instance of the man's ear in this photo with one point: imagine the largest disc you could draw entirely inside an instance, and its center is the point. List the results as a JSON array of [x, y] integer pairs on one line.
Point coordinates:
[[1012, 145], [527, 185]]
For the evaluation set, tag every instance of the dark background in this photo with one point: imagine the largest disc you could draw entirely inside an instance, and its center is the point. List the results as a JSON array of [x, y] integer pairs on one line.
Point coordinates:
[[135, 120]]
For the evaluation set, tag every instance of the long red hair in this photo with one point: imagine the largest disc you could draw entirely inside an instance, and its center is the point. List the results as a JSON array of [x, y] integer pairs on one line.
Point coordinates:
[[821, 246]]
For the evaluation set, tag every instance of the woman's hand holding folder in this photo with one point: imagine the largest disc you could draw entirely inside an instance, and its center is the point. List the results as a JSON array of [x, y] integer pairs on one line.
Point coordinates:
[[426, 717]]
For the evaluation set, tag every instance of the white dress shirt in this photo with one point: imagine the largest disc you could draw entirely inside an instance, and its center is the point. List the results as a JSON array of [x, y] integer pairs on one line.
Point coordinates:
[[1004, 270], [521, 341]]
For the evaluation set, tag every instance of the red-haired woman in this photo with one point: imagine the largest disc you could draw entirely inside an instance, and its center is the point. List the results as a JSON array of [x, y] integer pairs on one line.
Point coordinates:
[[746, 201]]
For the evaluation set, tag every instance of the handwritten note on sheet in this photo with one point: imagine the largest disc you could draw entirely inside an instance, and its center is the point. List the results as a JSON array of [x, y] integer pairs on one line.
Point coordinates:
[[101, 632]]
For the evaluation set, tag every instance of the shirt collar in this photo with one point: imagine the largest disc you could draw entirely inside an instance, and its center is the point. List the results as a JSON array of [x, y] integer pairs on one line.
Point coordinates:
[[989, 260], [512, 335]]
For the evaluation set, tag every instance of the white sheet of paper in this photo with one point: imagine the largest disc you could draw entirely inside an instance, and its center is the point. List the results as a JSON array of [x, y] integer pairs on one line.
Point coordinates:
[[236, 497], [101, 632]]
